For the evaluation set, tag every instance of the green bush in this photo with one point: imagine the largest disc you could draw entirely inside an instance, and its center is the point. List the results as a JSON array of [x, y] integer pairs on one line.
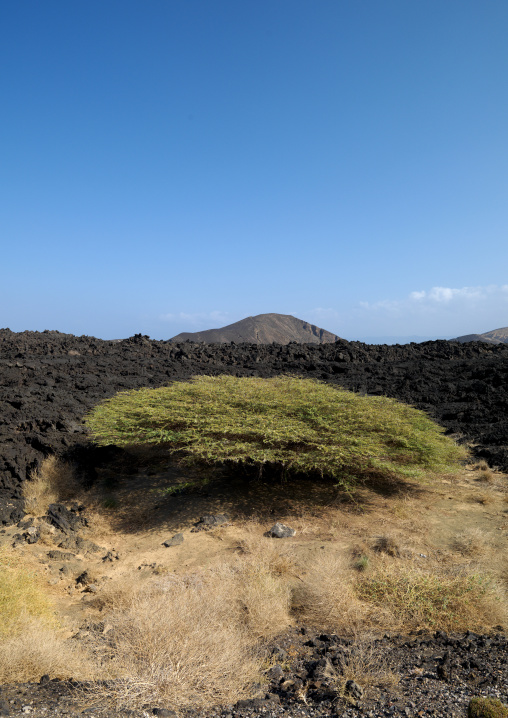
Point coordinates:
[[487, 708], [300, 425]]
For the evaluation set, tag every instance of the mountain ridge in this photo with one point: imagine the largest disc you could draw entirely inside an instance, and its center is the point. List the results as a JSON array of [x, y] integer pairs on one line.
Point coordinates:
[[494, 336], [262, 329]]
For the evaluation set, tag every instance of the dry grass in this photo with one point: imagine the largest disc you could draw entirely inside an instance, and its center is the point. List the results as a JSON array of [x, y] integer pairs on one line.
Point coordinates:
[[364, 665], [410, 598], [196, 639], [37, 650], [484, 498], [264, 573], [54, 481], [183, 640], [487, 707], [471, 542], [199, 639], [30, 642], [22, 597], [273, 555], [387, 545], [484, 472], [487, 476], [326, 598]]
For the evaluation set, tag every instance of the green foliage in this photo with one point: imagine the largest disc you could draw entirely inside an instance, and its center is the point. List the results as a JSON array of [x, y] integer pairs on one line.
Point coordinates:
[[300, 425], [487, 708]]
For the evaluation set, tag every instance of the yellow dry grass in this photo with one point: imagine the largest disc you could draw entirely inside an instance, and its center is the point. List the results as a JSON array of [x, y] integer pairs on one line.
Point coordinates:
[[31, 643], [364, 665], [54, 481], [325, 597], [36, 650], [22, 596], [183, 640], [405, 596]]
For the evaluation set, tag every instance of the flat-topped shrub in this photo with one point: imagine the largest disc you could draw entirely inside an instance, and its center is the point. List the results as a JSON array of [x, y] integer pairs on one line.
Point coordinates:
[[303, 426]]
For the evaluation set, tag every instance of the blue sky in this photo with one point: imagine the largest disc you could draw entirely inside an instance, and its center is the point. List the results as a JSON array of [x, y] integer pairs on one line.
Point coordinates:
[[176, 165]]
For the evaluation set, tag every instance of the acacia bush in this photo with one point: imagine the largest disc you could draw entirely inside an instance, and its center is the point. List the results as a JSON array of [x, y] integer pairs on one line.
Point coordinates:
[[302, 425]]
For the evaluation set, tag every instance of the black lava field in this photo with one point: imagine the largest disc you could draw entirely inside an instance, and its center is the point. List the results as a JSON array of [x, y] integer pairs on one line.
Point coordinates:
[[49, 380]]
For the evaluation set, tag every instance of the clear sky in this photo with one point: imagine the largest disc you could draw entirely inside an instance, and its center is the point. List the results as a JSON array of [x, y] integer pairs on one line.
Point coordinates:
[[176, 165]]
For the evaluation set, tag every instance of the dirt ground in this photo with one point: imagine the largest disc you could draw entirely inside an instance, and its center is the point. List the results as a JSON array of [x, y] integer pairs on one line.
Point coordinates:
[[457, 519]]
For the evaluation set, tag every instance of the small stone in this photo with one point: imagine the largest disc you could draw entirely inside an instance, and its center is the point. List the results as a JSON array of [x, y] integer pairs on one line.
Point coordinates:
[[279, 530], [210, 521], [176, 540], [276, 673], [354, 690]]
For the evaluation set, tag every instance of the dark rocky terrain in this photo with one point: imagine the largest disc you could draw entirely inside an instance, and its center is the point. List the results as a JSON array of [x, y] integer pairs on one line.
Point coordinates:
[[263, 329], [50, 380], [423, 675]]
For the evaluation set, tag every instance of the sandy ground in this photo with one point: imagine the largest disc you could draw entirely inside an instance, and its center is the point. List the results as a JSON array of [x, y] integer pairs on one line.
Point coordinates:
[[455, 519]]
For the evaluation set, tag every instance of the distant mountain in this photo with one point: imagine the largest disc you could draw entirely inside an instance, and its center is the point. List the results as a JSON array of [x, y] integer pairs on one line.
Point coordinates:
[[496, 336], [262, 329]]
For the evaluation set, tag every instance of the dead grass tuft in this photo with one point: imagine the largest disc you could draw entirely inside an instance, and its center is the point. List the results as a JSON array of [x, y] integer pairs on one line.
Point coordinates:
[[184, 640], [411, 598], [37, 650], [388, 546], [22, 597], [30, 644], [53, 481], [486, 475], [326, 597], [364, 665], [471, 542], [484, 499], [273, 555]]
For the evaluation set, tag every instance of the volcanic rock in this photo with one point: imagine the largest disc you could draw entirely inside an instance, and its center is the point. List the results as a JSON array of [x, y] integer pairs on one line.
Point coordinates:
[[45, 391]]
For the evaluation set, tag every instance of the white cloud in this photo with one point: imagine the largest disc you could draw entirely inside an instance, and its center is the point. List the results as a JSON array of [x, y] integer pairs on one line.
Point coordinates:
[[442, 295], [441, 311], [446, 294]]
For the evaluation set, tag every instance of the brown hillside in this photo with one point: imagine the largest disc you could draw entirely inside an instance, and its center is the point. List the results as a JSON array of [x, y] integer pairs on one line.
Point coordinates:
[[496, 336], [262, 329]]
